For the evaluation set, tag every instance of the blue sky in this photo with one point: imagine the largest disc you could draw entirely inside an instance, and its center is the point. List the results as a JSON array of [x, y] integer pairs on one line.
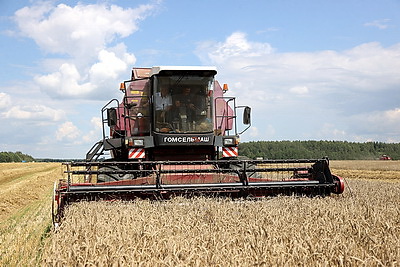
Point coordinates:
[[310, 70]]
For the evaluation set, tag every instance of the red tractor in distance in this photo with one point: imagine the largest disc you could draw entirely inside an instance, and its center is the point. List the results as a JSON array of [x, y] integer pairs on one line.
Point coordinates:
[[385, 157]]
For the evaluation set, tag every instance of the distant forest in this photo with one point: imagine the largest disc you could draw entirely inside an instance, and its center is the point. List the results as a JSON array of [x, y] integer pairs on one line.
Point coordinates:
[[335, 150], [15, 157]]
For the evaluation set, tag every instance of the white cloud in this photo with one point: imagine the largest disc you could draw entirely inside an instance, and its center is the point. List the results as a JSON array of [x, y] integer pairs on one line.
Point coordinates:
[[329, 131], [5, 101], [261, 132], [68, 131], [366, 67], [110, 66], [254, 132], [74, 139], [77, 30], [299, 90], [393, 115], [67, 81], [96, 122], [235, 46], [338, 84], [83, 57], [380, 24], [86, 35], [94, 135], [34, 112], [379, 123]]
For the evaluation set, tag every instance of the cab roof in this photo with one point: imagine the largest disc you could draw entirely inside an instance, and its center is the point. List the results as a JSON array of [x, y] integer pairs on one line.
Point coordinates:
[[158, 69]]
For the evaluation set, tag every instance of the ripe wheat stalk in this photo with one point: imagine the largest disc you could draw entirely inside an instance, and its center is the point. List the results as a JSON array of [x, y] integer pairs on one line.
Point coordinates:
[[358, 229]]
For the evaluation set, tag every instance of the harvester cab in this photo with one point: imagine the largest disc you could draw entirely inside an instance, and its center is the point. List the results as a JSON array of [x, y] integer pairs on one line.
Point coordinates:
[[176, 133], [170, 113]]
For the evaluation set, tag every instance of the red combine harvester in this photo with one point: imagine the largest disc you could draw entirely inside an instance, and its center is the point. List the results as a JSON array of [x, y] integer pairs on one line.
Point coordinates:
[[175, 133]]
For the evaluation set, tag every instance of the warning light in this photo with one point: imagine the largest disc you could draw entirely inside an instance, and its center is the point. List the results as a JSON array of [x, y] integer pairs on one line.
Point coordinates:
[[122, 87], [225, 88]]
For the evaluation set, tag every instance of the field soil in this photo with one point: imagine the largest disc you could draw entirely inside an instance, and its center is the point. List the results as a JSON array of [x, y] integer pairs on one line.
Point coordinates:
[[358, 228]]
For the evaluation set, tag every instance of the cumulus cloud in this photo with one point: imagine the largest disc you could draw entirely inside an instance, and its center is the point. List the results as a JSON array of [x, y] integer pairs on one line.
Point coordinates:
[[85, 36], [235, 46], [67, 81], [34, 112], [386, 122], [302, 92], [329, 131], [5, 101], [77, 30], [83, 57], [111, 63], [365, 67], [74, 138], [68, 131], [94, 134]]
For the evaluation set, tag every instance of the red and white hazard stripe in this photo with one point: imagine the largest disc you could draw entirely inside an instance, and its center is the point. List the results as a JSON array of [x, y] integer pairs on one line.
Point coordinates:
[[228, 152], [136, 153]]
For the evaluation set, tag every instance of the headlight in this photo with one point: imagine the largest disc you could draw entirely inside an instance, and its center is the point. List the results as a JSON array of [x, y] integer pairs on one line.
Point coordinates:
[[134, 142], [229, 141], [138, 142]]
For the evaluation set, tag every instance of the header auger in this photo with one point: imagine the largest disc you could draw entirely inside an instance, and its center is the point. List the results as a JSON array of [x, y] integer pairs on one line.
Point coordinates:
[[175, 133]]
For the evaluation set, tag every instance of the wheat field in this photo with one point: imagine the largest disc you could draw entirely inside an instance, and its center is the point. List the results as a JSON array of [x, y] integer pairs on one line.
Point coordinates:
[[359, 228], [25, 220]]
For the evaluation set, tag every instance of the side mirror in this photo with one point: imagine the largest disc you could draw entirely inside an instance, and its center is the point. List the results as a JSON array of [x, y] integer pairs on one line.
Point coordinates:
[[111, 117], [247, 116]]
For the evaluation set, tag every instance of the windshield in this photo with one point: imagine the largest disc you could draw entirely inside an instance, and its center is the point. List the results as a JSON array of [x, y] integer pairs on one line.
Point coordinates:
[[182, 104]]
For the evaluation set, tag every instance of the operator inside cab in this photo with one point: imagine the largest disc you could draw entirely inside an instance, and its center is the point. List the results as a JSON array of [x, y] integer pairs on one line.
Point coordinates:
[[182, 103]]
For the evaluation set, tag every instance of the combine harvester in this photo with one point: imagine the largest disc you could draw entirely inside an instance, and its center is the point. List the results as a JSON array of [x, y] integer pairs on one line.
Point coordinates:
[[175, 133]]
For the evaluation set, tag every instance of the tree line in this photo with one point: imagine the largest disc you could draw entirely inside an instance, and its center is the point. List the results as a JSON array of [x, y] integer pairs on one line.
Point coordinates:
[[15, 157], [335, 150]]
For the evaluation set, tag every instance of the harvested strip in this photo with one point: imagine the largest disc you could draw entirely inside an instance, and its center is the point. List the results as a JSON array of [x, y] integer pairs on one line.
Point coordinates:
[[26, 186]]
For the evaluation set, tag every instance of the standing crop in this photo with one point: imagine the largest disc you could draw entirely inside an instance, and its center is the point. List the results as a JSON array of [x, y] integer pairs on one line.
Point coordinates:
[[358, 229]]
